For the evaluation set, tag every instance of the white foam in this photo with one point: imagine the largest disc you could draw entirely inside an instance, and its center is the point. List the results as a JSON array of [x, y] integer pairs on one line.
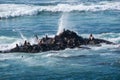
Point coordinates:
[[8, 46], [13, 10], [113, 37], [104, 47], [7, 43]]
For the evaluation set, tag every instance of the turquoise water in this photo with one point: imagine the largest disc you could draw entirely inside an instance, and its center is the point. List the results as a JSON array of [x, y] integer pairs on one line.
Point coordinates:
[[21, 19]]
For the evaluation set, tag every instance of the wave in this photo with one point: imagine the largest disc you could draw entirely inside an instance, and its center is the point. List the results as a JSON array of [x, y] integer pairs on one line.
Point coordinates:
[[114, 37], [14, 10]]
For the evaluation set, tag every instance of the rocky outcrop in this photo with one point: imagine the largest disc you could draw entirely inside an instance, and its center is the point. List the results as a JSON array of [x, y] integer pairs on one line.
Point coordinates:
[[66, 39]]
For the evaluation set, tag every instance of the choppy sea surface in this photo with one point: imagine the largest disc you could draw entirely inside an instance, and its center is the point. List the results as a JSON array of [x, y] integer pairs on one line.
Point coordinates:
[[22, 19]]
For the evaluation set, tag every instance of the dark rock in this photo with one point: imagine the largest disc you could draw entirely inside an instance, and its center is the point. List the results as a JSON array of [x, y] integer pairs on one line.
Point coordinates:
[[66, 39]]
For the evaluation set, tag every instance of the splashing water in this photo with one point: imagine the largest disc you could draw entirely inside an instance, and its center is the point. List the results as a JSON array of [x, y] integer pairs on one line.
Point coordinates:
[[62, 24], [20, 33], [22, 36]]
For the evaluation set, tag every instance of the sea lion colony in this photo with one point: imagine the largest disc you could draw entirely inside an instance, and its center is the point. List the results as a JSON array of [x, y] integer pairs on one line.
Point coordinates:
[[66, 39]]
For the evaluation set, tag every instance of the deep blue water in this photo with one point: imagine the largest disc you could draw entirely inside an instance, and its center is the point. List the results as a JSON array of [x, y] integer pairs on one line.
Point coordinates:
[[21, 19]]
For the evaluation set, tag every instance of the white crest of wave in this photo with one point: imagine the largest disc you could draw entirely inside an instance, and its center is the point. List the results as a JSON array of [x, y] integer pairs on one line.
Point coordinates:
[[113, 37], [13, 10], [7, 43]]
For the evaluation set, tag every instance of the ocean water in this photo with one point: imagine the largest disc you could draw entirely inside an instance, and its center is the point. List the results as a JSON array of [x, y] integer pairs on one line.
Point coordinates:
[[22, 19]]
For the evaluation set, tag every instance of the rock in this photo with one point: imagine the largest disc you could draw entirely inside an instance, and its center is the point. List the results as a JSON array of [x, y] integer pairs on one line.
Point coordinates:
[[66, 39]]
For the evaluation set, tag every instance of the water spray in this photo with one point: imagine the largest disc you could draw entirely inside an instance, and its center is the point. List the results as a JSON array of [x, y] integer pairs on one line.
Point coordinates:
[[62, 24]]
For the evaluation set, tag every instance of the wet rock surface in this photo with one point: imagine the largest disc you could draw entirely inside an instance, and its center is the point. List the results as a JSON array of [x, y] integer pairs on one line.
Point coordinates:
[[66, 39]]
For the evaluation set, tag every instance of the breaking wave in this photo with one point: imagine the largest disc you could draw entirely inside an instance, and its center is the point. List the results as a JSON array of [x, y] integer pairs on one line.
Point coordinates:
[[14, 10], [113, 37]]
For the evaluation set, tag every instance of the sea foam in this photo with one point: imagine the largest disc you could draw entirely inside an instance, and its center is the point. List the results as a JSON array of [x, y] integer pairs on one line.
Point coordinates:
[[14, 10]]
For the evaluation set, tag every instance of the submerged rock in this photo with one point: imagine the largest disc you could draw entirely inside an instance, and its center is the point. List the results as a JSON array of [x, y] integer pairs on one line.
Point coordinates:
[[66, 39]]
